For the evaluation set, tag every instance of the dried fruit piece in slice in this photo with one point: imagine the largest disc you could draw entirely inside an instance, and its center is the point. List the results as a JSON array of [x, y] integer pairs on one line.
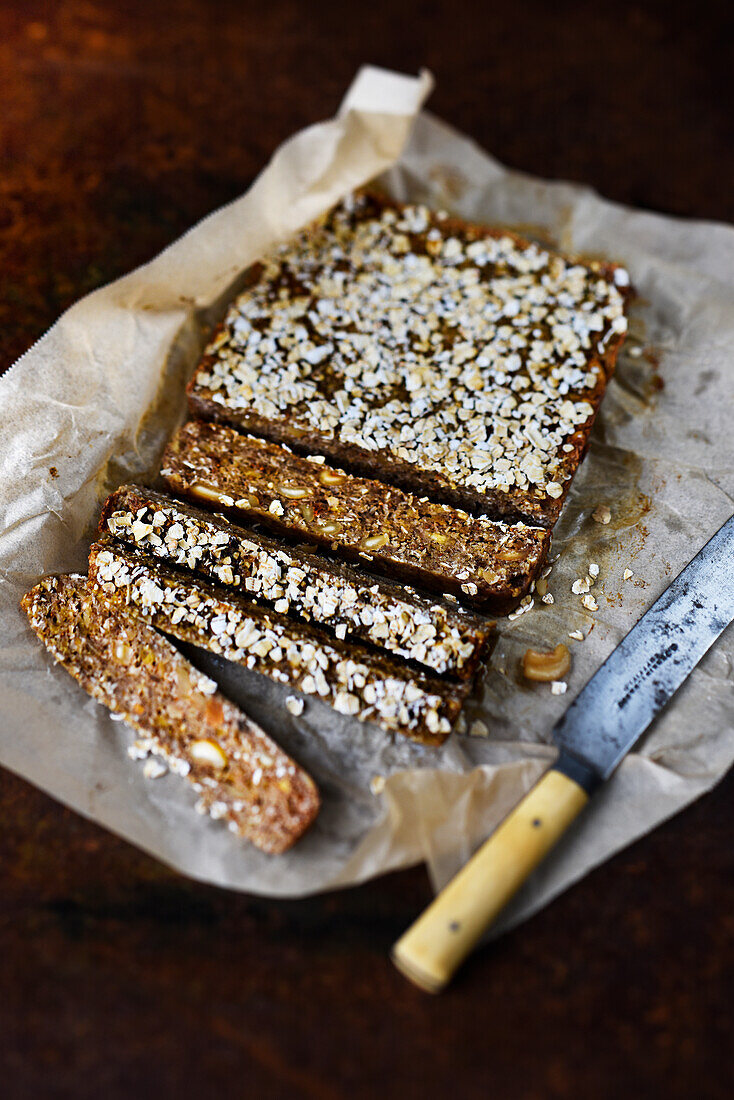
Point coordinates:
[[489, 565], [122, 662]]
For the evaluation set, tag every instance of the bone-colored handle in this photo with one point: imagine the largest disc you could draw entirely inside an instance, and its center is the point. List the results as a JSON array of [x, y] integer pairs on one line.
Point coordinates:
[[439, 941]]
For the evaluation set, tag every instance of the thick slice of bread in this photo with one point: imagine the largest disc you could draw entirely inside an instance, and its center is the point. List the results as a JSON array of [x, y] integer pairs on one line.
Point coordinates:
[[488, 565], [367, 684], [125, 664], [355, 606]]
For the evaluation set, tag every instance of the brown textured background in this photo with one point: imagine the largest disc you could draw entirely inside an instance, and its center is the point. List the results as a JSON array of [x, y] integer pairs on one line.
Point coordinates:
[[121, 125]]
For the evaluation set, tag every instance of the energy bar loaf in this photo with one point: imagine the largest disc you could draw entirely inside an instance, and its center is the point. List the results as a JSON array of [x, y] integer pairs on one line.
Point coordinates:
[[452, 359], [489, 565], [352, 605], [355, 681], [240, 772]]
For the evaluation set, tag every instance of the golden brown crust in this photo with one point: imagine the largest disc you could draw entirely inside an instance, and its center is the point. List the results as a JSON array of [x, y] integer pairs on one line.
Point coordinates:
[[240, 773], [488, 565]]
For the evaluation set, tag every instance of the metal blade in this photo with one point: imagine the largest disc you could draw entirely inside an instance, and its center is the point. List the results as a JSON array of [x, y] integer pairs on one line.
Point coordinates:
[[649, 665]]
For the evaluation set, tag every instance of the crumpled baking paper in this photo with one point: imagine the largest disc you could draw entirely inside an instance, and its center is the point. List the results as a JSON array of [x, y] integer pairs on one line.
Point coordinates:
[[92, 404]]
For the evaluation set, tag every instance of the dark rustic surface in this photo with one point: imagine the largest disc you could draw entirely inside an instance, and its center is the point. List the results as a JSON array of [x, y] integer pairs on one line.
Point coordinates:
[[121, 125]]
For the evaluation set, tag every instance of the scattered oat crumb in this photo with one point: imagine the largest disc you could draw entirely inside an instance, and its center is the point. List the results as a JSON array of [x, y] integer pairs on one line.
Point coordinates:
[[627, 575], [548, 598], [154, 769], [580, 586], [377, 784], [526, 604], [559, 687], [602, 514], [593, 569], [635, 351], [478, 728], [590, 603], [576, 635], [294, 705]]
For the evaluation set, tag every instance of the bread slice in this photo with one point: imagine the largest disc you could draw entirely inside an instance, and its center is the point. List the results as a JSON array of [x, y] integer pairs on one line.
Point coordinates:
[[356, 681], [241, 774], [354, 606], [489, 565], [452, 359]]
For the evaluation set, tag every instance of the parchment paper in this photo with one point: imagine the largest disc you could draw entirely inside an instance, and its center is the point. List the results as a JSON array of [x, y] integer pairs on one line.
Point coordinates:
[[92, 404]]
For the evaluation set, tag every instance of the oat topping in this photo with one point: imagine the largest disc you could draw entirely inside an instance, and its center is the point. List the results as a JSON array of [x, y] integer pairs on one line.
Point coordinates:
[[460, 351], [351, 679], [154, 769], [444, 639], [627, 575]]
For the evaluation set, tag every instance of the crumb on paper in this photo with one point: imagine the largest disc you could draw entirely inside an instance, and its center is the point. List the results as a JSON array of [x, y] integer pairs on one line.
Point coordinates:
[[154, 769], [526, 604], [580, 586], [478, 728], [377, 784], [548, 598], [635, 351], [627, 575], [590, 603], [602, 514], [294, 705], [593, 569], [576, 635], [559, 687]]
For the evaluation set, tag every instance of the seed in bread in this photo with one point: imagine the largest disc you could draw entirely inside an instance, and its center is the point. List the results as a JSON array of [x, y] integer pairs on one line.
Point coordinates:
[[487, 564], [241, 774]]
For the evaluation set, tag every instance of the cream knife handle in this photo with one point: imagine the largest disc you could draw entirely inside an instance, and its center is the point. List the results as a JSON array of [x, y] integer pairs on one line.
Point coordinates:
[[439, 941]]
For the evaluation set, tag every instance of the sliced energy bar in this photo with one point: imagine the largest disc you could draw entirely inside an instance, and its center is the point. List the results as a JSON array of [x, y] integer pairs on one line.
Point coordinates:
[[354, 606], [122, 662], [449, 358], [489, 565], [354, 680]]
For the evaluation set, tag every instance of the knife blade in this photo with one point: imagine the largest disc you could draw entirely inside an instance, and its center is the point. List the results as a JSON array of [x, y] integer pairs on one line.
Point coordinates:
[[602, 724]]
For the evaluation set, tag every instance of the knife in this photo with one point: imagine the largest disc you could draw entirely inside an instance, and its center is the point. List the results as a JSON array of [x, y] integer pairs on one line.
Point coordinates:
[[598, 729]]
